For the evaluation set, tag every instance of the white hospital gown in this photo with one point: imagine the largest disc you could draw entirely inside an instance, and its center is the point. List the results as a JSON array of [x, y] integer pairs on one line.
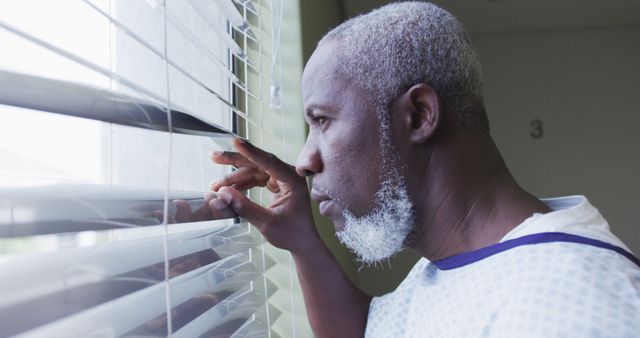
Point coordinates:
[[561, 274]]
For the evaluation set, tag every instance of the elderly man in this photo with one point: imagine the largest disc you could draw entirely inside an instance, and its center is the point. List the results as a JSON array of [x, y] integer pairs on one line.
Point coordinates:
[[400, 156]]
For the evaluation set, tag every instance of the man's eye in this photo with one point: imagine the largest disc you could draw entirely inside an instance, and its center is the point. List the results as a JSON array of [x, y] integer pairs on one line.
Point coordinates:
[[320, 120]]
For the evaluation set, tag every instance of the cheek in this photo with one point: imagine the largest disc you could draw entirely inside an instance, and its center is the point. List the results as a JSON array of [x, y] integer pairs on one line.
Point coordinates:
[[355, 165]]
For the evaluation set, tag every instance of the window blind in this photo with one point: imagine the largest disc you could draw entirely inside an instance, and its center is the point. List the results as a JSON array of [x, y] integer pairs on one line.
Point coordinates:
[[109, 110]]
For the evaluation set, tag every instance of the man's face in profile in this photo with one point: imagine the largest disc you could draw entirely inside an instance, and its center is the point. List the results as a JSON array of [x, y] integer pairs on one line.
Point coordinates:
[[343, 154], [341, 151]]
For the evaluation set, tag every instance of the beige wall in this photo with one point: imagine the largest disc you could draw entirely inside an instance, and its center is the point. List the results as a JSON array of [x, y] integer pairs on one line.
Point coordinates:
[[583, 84], [318, 17]]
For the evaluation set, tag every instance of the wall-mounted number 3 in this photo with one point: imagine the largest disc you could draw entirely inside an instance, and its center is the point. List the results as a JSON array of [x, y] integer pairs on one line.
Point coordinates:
[[536, 128]]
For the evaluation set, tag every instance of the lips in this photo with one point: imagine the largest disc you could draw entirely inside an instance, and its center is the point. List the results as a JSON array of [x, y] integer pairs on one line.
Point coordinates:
[[329, 208], [325, 203], [318, 196], [325, 207]]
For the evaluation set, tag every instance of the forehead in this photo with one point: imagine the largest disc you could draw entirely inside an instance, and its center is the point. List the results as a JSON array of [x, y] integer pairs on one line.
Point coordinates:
[[323, 86], [320, 79]]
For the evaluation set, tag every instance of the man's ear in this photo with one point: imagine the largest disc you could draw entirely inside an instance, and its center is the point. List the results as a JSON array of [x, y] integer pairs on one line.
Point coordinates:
[[422, 116]]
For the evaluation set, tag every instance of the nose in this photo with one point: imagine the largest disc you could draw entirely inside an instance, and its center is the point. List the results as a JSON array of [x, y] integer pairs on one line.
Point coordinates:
[[309, 162]]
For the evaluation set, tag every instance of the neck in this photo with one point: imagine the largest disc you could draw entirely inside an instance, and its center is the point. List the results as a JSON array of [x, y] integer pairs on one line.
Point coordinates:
[[472, 200]]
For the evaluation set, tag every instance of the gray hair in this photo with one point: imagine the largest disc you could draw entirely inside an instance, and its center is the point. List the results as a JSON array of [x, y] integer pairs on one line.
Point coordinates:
[[402, 44]]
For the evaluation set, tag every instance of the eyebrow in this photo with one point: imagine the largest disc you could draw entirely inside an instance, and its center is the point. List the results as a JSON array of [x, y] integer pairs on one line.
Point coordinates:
[[312, 107]]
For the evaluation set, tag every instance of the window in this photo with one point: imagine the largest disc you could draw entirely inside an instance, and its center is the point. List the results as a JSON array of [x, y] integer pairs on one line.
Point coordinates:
[[109, 110]]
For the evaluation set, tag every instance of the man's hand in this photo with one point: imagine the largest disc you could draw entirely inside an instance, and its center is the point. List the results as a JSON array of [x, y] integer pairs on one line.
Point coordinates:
[[287, 223]]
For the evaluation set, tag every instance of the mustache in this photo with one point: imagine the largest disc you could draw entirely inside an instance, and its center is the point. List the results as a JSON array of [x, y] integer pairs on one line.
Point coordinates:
[[327, 193], [322, 190]]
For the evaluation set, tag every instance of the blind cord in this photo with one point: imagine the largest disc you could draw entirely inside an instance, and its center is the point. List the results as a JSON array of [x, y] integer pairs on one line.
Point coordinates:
[[165, 223], [275, 90]]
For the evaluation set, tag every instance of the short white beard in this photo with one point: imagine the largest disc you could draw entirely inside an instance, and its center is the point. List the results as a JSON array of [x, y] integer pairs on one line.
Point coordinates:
[[381, 233]]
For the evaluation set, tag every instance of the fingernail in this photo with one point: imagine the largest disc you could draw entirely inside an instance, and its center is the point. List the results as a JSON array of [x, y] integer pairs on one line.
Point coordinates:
[[225, 196], [210, 195], [241, 141], [216, 153]]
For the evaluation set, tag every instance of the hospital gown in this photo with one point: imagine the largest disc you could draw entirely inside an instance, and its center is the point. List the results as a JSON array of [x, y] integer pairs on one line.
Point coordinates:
[[560, 274]]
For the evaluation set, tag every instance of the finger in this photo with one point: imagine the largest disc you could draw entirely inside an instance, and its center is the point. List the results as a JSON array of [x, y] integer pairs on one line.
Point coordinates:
[[203, 213], [159, 214], [248, 185], [183, 211], [220, 209], [231, 158], [242, 177], [273, 186], [244, 207], [211, 297], [266, 161]]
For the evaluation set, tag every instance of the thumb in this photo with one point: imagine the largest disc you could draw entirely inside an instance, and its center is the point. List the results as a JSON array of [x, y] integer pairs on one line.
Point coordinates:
[[245, 208]]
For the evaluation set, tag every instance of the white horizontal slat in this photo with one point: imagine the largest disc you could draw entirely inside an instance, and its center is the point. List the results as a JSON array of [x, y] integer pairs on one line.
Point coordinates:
[[205, 50], [80, 60], [204, 12], [245, 298], [250, 6], [243, 306], [241, 276], [258, 324], [114, 319], [32, 95], [36, 275], [228, 250], [176, 22], [208, 9], [109, 319], [180, 26], [208, 279], [251, 329], [234, 17], [248, 33], [155, 98]]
